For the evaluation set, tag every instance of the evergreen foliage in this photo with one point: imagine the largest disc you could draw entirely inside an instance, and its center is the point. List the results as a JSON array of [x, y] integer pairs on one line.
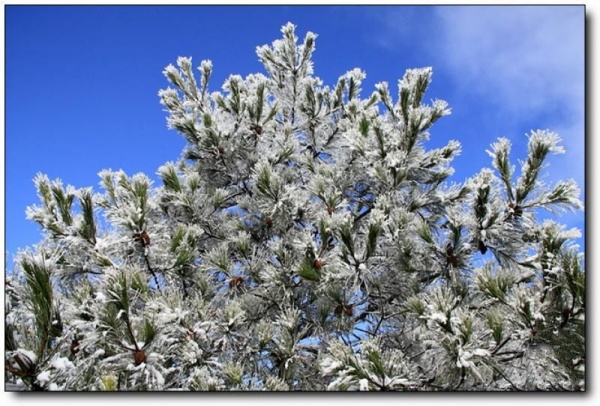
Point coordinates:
[[307, 239]]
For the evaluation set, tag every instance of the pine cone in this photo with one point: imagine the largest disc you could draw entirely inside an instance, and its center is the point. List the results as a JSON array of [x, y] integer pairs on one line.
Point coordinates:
[[74, 347], [318, 264], [338, 310], [452, 260], [145, 238], [139, 356], [515, 209], [234, 282], [345, 309]]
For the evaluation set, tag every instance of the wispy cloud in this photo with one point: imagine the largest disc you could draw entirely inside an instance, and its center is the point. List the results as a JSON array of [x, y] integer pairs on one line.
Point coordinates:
[[526, 62], [524, 57], [529, 61]]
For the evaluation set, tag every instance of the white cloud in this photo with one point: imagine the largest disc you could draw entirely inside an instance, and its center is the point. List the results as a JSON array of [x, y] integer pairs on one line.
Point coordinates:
[[532, 56], [520, 66], [529, 61]]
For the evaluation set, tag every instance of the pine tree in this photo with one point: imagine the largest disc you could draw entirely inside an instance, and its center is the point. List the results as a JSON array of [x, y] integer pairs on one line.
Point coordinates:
[[307, 239]]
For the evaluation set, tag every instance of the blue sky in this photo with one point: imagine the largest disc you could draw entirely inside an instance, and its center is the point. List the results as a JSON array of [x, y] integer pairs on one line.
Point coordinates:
[[81, 82]]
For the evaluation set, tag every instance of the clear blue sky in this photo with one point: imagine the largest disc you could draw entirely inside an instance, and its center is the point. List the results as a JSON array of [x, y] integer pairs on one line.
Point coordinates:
[[81, 82]]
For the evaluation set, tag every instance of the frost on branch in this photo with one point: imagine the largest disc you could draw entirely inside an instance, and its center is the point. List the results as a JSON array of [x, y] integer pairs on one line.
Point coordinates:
[[306, 239]]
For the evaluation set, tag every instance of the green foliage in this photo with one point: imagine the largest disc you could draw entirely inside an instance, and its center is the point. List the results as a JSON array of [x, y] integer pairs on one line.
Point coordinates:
[[168, 174], [88, 226], [307, 239], [40, 298]]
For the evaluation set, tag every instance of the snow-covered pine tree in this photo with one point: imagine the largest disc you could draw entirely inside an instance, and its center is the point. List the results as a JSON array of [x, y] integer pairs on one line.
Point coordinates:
[[307, 239]]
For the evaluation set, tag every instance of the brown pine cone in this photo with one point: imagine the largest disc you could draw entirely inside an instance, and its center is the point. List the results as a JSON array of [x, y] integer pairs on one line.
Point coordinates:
[[236, 281], [145, 238], [139, 356]]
